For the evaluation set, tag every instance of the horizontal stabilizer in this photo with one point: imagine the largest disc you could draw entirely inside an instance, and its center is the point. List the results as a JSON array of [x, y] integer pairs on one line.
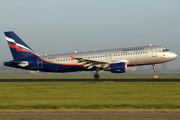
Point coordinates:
[[17, 62], [20, 63]]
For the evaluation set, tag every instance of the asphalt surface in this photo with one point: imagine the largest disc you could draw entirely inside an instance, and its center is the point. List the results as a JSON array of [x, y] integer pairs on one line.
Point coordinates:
[[89, 80], [89, 115]]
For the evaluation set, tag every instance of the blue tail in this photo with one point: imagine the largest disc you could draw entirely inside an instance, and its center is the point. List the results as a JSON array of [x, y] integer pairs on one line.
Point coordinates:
[[18, 48]]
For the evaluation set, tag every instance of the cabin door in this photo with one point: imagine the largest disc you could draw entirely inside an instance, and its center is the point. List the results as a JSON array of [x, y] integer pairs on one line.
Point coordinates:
[[154, 52]]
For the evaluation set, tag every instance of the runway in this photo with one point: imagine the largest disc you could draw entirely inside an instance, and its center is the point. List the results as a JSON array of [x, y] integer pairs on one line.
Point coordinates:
[[89, 115], [89, 80]]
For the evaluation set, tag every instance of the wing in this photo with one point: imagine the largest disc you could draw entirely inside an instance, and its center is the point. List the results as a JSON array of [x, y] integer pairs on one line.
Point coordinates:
[[91, 63]]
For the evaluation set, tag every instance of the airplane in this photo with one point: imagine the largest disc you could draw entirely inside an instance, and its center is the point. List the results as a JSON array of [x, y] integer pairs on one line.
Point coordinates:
[[113, 60]]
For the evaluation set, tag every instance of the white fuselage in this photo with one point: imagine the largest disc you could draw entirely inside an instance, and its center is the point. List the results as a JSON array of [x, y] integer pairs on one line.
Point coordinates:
[[132, 56]]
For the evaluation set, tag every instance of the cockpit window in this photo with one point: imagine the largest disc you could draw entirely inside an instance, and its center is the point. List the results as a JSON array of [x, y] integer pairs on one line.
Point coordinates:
[[166, 50]]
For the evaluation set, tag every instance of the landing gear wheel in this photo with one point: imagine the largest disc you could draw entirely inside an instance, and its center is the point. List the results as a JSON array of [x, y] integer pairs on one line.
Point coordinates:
[[96, 76], [155, 72]]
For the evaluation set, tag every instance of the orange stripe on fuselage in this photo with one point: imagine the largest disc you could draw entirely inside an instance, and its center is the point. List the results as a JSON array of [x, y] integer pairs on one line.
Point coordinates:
[[145, 63], [18, 49]]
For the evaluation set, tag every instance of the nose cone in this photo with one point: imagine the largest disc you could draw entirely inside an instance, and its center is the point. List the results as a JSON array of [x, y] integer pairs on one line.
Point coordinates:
[[173, 55]]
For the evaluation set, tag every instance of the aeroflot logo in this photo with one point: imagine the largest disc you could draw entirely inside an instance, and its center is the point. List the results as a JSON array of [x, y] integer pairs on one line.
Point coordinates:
[[132, 49]]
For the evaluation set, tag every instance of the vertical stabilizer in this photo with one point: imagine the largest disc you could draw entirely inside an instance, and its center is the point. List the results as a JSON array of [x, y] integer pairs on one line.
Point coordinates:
[[18, 48]]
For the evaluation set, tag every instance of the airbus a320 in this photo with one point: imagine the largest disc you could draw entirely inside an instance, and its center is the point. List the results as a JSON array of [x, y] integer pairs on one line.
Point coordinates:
[[114, 60]]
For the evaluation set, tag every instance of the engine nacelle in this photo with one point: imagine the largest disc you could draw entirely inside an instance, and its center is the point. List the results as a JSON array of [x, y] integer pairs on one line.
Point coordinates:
[[118, 67]]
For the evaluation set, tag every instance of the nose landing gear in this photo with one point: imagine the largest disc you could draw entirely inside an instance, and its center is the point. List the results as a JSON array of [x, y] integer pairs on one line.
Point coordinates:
[[155, 72]]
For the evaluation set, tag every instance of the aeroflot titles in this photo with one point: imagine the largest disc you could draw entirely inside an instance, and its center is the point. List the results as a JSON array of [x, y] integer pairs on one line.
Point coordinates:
[[133, 49]]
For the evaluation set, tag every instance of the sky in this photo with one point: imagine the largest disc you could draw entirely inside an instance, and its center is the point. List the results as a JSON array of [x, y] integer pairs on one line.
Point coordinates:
[[62, 26]]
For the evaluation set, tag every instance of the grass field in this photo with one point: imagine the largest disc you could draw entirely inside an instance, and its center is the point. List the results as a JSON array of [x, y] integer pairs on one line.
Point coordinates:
[[89, 95]]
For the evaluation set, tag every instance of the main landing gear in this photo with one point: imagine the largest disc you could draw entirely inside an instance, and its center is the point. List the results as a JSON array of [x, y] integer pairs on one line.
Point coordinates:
[[96, 76], [155, 72]]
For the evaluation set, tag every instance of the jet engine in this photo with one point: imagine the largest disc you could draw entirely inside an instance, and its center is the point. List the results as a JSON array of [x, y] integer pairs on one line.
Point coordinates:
[[118, 67]]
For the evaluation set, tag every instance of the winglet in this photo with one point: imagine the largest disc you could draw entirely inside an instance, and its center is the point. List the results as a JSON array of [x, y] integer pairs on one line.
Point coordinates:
[[72, 58]]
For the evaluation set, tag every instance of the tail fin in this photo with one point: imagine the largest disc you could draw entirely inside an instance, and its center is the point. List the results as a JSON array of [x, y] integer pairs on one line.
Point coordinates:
[[18, 48]]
